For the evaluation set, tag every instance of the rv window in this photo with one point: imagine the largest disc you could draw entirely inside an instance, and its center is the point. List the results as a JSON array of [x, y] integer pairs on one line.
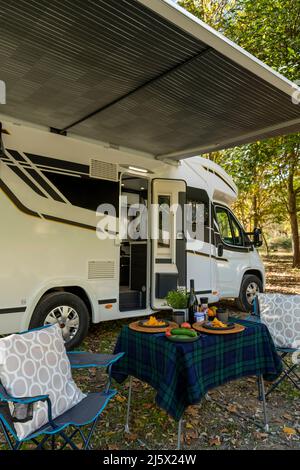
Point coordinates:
[[164, 221], [85, 192], [230, 231], [196, 196]]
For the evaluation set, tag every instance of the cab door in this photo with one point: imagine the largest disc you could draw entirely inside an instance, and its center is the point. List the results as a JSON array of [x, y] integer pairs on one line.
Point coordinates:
[[168, 239], [235, 258]]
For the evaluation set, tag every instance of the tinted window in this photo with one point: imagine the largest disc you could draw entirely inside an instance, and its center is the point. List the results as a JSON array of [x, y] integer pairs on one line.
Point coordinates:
[[195, 197], [164, 221], [236, 233], [86, 192], [224, 225], [230, 231]]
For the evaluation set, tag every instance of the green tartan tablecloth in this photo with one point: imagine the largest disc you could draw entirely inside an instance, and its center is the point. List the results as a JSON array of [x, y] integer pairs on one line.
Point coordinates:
[[182, 373]]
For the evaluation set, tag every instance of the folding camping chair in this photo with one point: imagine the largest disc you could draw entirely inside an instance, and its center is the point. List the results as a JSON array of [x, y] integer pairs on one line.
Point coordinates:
[[85, 414], [289, 367]]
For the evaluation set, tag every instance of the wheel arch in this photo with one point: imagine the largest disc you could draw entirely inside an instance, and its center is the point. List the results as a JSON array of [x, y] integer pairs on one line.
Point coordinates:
[[254, 272], [76, 290]]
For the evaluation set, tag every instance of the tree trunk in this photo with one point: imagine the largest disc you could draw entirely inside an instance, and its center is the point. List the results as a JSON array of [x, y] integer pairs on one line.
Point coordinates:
[[255, 212], [266, 243], [294, 221]]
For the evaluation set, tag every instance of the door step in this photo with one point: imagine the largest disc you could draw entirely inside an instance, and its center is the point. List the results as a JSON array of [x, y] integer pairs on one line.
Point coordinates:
[[130, 300]]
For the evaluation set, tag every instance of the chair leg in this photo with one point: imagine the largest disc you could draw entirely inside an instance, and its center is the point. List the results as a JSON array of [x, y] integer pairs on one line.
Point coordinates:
[[179, 432], [263, 397], [285, 375], [127, 430], [68, 440], [90, 434], [7, 437], [40, 445]]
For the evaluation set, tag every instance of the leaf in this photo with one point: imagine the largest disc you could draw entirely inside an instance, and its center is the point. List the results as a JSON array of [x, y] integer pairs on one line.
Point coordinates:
[[289, 431], [189, 426], [215, 441], [260, 435], [120, 399], [131, 437], [232, 408]]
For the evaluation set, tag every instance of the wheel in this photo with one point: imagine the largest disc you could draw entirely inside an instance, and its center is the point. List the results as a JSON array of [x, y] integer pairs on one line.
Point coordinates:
[[66, 309], [250, 287]]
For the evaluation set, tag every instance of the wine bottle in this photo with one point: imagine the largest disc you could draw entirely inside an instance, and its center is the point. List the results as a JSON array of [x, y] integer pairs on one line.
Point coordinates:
[[192, 303]]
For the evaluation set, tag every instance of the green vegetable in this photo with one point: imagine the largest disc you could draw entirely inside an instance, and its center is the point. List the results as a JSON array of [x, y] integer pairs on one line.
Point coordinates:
[[179, 337], [183, 332]]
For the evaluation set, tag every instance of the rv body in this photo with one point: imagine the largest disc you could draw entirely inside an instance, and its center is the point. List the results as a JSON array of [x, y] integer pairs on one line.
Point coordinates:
[[51, 186]]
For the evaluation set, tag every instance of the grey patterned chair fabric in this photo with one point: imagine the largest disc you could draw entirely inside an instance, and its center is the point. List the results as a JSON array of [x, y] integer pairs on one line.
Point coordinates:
[[281, 314]]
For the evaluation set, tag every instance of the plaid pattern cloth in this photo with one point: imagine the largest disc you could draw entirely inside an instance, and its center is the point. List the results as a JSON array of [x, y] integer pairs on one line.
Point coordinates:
[[182, 373]]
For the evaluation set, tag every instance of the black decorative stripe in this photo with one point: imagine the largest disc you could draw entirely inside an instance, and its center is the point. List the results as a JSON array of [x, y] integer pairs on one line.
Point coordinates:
[[39, 179], [206, 255], [16, 201], [69, 222], [55, 163], [12, 310], [107, 301], [199, 292], [17, 156], [26, 180]]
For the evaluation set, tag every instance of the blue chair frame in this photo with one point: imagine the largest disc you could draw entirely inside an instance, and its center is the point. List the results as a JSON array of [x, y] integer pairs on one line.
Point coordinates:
[[289, 371], [86, 413]]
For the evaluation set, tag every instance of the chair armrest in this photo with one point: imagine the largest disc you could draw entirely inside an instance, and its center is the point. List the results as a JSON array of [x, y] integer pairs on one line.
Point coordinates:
[[4, 396], [82, 360]]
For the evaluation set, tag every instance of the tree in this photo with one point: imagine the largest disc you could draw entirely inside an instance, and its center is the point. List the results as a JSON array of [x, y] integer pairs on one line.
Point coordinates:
[[270, 30]]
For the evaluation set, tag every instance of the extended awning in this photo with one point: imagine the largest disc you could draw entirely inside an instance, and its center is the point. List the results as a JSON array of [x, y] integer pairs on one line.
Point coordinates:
[[141, 74]]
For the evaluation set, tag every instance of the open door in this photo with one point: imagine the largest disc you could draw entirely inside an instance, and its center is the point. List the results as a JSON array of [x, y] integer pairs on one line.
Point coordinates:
[[168, 239]]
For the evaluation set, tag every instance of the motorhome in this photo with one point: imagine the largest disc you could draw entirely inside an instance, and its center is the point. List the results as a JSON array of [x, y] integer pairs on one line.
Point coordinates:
[[57, 269], [110, 102]]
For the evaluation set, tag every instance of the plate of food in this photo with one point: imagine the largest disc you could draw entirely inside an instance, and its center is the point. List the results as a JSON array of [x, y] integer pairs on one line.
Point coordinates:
[[153, 322], [218, 328], [217, 324]]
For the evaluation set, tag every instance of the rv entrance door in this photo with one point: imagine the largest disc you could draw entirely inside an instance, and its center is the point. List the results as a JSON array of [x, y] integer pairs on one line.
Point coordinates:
[[168, 239]]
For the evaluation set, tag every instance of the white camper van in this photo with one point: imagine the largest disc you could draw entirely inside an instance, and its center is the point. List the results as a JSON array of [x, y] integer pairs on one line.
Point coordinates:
[[107, 100], [55, 268]]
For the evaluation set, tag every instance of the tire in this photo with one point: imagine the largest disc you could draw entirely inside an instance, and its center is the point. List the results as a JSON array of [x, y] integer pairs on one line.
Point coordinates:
[[251, 285], [66, 309]]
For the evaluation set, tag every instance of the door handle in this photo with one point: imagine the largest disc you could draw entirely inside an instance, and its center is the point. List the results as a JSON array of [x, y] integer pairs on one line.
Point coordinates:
[[220, 250]]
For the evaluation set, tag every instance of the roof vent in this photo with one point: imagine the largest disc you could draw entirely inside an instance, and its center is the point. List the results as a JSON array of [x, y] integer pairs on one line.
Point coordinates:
[[101, 269], [103, 170]]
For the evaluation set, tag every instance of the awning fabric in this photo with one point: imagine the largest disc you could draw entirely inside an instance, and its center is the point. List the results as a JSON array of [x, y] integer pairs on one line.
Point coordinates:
[[141, 74]]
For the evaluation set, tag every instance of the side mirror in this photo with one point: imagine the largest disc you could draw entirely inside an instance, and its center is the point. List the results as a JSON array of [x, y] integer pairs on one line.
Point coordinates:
[[257, 237], [220, 250]]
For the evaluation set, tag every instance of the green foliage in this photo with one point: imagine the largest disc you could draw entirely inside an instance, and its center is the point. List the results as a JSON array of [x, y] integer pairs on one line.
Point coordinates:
[[281, 244], [177, 299]]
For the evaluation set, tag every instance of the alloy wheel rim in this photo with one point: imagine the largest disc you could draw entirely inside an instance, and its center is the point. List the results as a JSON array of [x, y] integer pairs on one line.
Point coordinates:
[[251, 292], [67, 318]]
